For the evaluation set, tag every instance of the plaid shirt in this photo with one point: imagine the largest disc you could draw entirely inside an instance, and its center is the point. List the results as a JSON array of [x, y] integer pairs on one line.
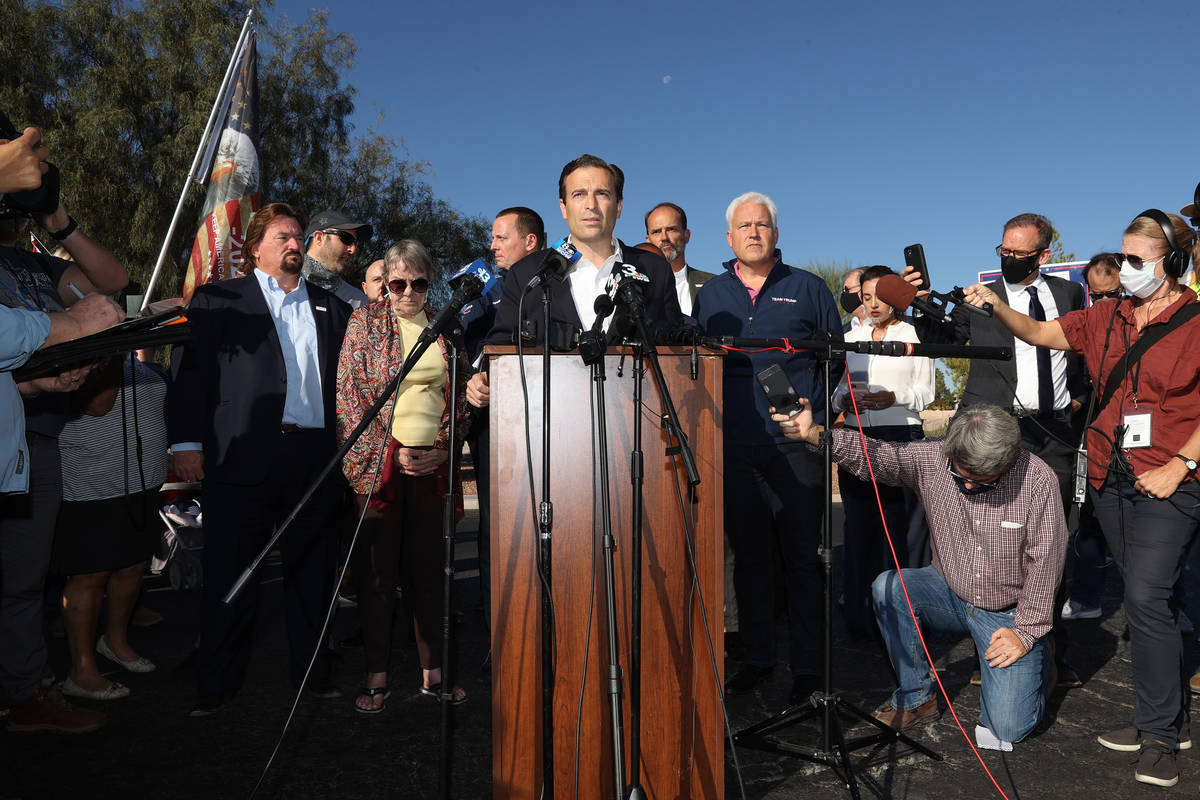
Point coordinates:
[[997, 549]]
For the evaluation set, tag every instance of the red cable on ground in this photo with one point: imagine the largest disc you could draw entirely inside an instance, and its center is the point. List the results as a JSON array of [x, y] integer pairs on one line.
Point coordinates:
[[900, 574]]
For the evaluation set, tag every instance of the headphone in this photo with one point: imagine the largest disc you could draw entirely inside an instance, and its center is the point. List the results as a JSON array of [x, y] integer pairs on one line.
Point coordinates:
[[1176, 261]]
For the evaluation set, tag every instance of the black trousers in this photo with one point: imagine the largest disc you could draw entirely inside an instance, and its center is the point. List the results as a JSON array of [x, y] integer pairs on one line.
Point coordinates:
[[865, 552], [238, 521], [1149, 540], [788, 478], [1048, 438]]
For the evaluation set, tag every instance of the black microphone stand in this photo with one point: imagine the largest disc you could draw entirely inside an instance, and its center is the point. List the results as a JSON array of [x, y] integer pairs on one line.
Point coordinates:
[[449, 524], [545, 550], [835, 749], [592, 350], [631, 295]]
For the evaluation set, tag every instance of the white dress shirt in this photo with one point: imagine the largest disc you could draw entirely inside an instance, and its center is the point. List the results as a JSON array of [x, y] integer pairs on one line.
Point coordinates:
[[684, 291], [588, 281], [910, 378], [1025, 355]]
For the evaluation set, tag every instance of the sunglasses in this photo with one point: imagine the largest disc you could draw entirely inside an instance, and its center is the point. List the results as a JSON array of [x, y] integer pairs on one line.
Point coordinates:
[[965, 479], [346, 237], [1114, 294], [419, 285], [1137, 262]]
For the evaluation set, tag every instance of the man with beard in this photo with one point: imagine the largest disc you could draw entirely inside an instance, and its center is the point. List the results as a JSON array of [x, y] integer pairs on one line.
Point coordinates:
[[666, 228], [333, 239], [251, 414]]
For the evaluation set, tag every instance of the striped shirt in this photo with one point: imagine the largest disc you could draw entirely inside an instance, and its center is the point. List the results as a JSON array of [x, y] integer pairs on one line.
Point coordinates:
[[100, 454], [995, 550]]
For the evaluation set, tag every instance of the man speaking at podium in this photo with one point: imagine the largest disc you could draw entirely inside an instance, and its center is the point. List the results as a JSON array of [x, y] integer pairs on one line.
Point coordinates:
[[589, 196]]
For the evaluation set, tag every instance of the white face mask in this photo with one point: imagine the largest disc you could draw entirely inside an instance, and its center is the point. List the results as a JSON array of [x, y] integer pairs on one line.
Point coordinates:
[[1141, 283]]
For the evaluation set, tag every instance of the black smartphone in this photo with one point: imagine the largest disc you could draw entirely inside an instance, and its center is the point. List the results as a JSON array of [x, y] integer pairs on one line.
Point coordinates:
[[914, 255], [779, 390]]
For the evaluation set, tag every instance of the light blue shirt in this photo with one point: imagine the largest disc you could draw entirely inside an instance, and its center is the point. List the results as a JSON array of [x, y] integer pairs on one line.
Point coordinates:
[[292, 314], [21, 333]]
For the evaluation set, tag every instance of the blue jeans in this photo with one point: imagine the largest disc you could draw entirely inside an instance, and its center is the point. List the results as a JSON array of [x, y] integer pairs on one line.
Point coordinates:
[[1013, 697]]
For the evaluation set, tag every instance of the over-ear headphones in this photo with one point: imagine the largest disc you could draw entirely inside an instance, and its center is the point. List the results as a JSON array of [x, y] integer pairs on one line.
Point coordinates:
[[1176, 261]]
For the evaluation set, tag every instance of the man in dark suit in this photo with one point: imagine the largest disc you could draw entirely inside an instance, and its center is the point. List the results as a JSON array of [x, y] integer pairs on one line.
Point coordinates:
[[589, 196], [1041, 387], [250, 412], [666, 228]]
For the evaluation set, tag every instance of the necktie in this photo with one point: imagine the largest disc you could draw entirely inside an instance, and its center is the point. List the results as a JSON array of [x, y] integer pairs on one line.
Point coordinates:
[[1045, 382]]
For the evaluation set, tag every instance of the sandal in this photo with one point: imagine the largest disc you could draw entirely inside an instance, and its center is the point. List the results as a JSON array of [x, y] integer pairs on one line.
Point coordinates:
[[372, 692], [457, 697]]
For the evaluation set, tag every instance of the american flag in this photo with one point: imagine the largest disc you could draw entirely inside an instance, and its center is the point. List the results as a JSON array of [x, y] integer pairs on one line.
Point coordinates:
[[233, 189]]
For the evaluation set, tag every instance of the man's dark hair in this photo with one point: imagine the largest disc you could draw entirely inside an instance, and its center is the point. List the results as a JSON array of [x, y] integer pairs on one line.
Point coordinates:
[[1103, 264], [682, 215], [1045, 231], [528, 221], [587, 160], [257, 228], [874, 273]]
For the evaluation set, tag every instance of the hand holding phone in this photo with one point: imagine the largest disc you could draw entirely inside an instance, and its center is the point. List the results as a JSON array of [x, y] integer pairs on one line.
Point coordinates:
[[779, 390]]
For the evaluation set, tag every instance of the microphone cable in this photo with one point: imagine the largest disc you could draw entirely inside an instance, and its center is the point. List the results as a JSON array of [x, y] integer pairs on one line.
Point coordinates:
[[912, 612]]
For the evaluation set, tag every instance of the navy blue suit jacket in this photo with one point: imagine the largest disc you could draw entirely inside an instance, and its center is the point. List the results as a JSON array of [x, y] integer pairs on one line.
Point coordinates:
[[229, 381]]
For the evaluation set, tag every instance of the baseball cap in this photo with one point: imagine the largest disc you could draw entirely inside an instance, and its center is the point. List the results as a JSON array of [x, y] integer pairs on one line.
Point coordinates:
[[336, 219]]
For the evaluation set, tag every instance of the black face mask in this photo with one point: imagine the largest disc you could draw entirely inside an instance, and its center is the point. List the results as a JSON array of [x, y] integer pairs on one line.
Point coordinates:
[[1016, 269], [976, 489], [850, 301]]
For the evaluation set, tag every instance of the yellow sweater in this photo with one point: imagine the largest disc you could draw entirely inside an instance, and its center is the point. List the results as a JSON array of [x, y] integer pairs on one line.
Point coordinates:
[[421, 398]]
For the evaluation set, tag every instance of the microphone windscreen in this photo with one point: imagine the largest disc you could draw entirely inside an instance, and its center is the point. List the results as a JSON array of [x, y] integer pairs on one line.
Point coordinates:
[[896, 292]]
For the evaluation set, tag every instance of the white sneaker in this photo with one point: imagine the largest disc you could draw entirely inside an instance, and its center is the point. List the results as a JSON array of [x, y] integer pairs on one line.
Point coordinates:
[[1073, 610]]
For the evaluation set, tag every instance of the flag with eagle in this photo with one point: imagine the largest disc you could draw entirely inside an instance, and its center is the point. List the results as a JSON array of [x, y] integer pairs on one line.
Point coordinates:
[[233, 188]]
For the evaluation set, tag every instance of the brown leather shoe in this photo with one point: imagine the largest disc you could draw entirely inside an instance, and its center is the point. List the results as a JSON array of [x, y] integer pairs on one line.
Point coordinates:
[[1194, 682], [902, 720], [43, 714]]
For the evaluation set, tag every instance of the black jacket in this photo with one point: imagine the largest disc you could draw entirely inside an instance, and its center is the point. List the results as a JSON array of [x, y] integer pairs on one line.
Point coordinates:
[[662, 304]]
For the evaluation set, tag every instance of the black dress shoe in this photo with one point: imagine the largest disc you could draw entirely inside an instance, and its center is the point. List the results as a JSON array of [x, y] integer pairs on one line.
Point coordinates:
[[747, 679], [207, 706], [803, 687], [326, 690]]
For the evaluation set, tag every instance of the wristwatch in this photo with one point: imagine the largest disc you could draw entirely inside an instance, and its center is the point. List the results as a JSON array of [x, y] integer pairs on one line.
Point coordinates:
[[1191, 462]]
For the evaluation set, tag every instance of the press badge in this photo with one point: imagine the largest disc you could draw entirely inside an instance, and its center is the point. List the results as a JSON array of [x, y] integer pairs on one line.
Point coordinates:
[[1137, 428]]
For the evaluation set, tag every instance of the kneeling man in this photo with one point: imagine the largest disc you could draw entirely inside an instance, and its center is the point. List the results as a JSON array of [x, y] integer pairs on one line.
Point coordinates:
[[999, 540]]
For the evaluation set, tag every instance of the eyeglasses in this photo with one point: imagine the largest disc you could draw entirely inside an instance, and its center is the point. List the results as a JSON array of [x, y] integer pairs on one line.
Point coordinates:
[[1114, 294], [1004, 252], [419, 285], [1137, 262], [965, 479], [347, 237]]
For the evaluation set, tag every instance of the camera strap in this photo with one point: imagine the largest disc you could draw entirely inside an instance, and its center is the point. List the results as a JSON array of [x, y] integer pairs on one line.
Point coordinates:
[[1151, 336]]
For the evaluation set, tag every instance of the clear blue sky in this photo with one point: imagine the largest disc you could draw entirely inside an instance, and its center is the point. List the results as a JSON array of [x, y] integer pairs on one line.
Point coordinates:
[[873, 124]]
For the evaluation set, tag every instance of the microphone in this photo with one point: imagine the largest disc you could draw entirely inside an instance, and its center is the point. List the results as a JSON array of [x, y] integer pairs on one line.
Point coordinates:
[[468, 289], [557, 261], [901, 295], [627, 287], [591, 343], [479, 269]]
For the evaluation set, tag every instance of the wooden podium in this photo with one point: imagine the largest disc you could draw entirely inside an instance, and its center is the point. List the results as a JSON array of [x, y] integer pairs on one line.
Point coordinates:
[[682, 735]]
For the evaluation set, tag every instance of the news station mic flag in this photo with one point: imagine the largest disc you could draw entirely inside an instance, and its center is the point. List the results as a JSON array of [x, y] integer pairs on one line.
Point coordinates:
[[233, 188]]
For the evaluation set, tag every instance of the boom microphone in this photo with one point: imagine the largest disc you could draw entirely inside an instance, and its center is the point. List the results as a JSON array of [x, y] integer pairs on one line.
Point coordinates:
[[902, 295], [468, 289]]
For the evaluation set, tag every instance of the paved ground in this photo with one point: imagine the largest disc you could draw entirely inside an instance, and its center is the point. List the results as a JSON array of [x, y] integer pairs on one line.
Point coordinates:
[[150, 748]]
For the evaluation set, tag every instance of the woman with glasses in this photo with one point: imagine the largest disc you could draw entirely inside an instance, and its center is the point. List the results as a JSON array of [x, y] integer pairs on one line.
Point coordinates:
[[889, 395], [1142, 449], [398, 467]]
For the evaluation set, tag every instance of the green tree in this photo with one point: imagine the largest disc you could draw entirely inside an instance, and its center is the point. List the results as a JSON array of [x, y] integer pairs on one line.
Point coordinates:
[[1058, 254], [833, 273], [122, 93]]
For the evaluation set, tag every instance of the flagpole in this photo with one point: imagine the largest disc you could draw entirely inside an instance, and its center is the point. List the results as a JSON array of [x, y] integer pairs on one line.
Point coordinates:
[[208, 128]]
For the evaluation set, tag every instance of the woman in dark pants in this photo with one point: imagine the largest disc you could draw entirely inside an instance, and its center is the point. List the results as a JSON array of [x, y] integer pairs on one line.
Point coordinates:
[[404, 493], [1142, 451]]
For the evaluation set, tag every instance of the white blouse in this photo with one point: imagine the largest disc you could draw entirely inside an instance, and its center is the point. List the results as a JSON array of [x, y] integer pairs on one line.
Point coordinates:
[[910, 378]]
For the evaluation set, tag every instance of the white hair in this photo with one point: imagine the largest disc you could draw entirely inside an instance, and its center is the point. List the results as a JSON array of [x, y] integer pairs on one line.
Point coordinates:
[[752, 197]]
